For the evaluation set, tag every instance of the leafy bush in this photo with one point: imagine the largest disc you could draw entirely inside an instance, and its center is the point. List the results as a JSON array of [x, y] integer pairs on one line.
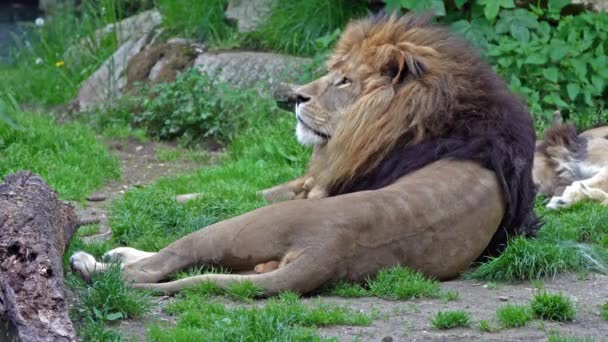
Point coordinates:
[[294, 25], [195, 107], [555, 61]]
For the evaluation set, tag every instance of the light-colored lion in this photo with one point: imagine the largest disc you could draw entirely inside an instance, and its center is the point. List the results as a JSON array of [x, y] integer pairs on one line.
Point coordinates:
[[422, 158], [570, 167]]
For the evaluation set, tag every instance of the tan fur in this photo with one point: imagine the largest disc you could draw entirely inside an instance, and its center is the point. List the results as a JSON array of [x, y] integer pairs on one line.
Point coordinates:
[[570, 168], [437, 220]]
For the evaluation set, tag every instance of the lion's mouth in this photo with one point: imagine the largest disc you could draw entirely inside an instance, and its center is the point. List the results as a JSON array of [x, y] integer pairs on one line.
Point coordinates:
[[322, 135]]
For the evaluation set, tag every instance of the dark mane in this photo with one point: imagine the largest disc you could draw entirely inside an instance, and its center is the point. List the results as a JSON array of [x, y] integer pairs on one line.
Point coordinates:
[[488, 124]]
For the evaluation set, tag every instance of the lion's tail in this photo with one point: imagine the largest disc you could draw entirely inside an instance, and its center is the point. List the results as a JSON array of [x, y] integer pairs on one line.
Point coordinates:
[[302, 275]]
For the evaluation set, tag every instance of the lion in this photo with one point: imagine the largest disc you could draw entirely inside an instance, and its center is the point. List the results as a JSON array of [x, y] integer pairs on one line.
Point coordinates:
[[570, 167], [423, 158]]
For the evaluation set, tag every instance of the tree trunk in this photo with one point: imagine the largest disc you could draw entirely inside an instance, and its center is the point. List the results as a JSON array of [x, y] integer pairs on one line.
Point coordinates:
[[35, 230]]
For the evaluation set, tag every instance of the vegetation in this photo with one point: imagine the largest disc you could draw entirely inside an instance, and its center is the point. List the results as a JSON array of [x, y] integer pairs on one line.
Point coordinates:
[[284, 318], [571, 240], [513, 316], [451, 319], [555, 307], [604, 311], [68, 157], [195, 108]]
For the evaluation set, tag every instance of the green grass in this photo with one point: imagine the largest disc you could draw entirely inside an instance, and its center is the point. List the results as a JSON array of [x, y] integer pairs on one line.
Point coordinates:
[[555, 307], [403, 283], [604, 311], [451, 319], [560, 338], [199, 19], [294, 26], [486, 326], [572, 240], [280, 319], [68, 157], [513, 316], [395, 283]]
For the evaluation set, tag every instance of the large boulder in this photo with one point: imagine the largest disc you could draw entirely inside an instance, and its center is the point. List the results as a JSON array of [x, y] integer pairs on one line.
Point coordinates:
[[248, 14], [261, 70], [108, 83]]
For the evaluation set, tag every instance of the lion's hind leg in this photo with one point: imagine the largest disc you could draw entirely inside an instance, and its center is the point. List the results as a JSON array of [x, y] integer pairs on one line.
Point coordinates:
[[301, 275], [86, 265], [594, 188]]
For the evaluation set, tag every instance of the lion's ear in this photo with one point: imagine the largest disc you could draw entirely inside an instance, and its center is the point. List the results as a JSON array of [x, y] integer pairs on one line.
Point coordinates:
[[397, 65]]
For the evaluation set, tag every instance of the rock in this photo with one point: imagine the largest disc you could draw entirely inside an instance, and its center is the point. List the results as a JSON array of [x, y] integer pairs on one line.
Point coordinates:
[[188, 197], [594, 5], [262, 70], [503, 298], [108, 83], [132, 28], [161, 62], [248, 14]]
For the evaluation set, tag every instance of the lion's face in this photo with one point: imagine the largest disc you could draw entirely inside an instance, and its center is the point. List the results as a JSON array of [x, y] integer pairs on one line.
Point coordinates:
[[320, 105]]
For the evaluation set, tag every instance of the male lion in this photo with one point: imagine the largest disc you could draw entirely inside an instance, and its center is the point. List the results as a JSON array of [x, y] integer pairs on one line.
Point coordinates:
[[570, 167], [423, 158]]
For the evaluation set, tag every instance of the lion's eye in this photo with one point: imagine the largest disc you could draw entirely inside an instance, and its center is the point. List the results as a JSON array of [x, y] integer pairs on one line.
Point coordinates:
[[345, 81]]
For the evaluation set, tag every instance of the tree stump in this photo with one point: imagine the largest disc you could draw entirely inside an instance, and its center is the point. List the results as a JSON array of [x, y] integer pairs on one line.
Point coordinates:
[[35, 230]]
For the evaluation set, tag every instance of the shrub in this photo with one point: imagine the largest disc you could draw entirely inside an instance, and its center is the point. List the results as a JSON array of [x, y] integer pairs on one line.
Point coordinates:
[[195, 107], [513, 316], [451, 319], [555, 307]]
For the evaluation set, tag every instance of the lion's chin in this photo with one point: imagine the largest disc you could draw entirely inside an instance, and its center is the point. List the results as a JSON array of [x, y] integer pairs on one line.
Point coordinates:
[[306, 137]]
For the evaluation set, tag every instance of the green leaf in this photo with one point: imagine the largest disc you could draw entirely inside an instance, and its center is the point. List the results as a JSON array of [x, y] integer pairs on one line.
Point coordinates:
[[520, 33], [558, 49], [573, 90], [598, 83], [114, 316], [460, 3], [557, 5], [491, 10], [506, 3], [551, 74], [536, 58], [580, 68]]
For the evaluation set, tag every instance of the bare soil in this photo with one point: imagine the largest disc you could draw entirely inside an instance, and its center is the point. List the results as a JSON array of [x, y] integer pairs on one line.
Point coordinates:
[[397, 320]]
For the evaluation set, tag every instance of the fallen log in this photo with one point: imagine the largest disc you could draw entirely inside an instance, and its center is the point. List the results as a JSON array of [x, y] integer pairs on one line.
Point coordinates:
[[35, 230]]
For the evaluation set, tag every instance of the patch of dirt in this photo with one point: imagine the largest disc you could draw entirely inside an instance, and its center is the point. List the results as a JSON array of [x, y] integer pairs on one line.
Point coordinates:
[[410, 320], [139, 165]]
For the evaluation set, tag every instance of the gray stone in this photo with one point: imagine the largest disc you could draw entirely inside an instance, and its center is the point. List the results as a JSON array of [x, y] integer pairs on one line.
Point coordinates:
[[108, 82], [248, 14], [261, 70], [134, 27], [595, 5]]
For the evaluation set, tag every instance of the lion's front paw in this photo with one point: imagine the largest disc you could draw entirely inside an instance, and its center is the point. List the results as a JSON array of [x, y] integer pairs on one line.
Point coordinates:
[[83, 263], [558, 202], [125, 255]]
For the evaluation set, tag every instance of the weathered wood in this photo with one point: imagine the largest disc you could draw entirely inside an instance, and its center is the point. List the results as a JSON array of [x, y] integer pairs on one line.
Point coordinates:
[[35, 230]]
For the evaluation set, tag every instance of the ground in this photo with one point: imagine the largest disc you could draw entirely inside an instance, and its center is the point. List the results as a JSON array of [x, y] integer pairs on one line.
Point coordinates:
[[400, 320]]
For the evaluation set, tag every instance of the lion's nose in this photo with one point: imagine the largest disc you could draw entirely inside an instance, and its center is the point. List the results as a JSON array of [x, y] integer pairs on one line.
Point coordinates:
[[301, 99]]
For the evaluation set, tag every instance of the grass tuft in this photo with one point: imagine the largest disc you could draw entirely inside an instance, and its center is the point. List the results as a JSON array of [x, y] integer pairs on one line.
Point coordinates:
[[281, 319], [555, 307], [403, 283], [486, 326], [244, 291], [513, 316], [451, 319], [604, 311]]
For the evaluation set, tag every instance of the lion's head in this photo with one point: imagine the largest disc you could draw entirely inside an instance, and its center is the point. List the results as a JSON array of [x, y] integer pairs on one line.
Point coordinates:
[[391, 80]]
